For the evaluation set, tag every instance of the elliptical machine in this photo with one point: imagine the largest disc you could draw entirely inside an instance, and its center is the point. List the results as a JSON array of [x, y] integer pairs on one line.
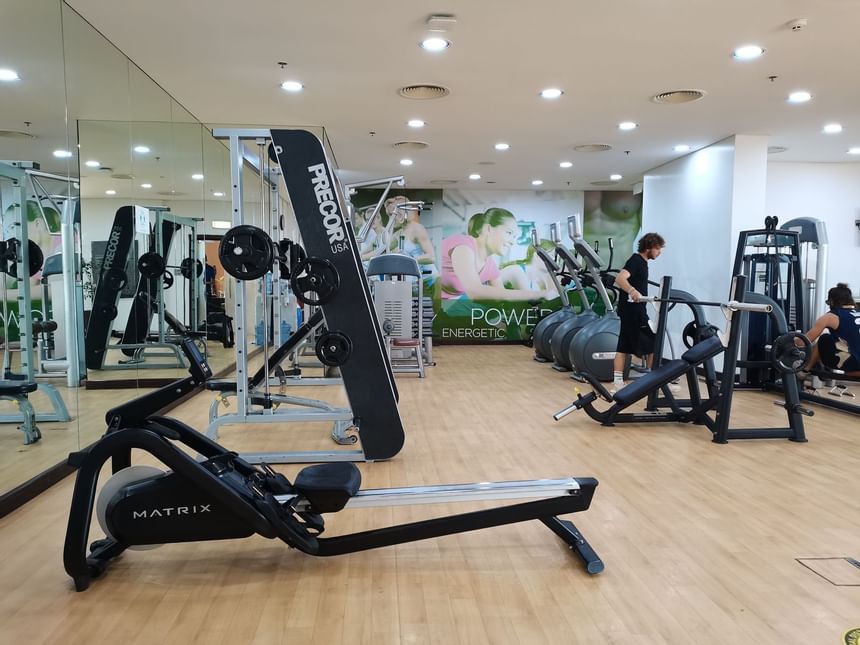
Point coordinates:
[[592, 349], [564, 334], [546, 326]]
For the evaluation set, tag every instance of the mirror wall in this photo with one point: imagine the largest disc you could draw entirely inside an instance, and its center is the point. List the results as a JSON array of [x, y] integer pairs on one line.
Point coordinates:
[[111, 146]]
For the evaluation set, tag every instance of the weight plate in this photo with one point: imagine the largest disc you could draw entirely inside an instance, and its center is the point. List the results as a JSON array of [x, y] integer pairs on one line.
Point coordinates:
[[315, 276], [115, 279], [107, 311], [246, 252], [167, 280], [787, 356], [185, 268], [333, 348], [10, 255], [151, 265]]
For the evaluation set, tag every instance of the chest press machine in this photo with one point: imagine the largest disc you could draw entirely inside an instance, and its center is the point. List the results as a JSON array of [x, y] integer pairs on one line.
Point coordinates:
[[225, 497], [789, 352]]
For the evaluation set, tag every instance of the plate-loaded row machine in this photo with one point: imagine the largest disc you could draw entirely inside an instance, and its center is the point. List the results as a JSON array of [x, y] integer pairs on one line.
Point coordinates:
[[223, 496], [789, 352]]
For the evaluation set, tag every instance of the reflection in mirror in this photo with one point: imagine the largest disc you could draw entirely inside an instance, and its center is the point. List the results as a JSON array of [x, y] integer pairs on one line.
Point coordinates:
[[159, 196], [132, 146], [38, 199]]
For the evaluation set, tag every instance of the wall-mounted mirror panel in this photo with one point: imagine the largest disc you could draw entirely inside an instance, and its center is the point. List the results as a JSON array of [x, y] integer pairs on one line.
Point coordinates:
[[39, 413], [110, 140]]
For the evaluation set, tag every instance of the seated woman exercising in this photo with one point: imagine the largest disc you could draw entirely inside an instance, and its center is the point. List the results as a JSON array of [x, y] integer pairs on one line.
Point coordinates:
[[840, 349]]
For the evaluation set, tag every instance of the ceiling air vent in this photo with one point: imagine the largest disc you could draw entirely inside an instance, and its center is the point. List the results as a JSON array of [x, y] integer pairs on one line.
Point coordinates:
[[443, 182], [678, 96], [170, 193], [122, 176], [775, 150], [486, 163], [593, 147], [411, 145], [423, 92], [604, 182], [15, 134]]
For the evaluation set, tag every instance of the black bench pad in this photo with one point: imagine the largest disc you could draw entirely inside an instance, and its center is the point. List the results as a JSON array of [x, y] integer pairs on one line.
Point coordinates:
[[666, 373], [17, 387], [328, 487], [702, 351]]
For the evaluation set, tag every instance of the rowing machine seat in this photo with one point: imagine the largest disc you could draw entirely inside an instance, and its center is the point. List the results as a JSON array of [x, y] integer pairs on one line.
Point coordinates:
[[328, 487]]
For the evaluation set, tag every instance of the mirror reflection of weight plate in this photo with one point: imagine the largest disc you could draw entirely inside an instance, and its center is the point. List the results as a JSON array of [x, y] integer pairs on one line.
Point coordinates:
[[116, 483]]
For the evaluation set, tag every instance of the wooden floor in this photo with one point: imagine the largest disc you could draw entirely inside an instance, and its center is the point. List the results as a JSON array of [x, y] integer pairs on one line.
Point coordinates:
[[700, 540]]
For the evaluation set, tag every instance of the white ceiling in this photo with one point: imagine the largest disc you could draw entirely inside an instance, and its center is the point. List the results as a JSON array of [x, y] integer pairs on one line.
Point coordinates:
[[220, 61]]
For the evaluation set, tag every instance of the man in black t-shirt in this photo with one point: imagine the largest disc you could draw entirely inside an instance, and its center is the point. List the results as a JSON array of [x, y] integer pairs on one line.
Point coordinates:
[[635, 336]]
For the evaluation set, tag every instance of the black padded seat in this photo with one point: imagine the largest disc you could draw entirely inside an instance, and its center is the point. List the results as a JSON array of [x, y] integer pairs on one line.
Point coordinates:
[[17, 387], [702, 351], [328, 487], [666, 373]]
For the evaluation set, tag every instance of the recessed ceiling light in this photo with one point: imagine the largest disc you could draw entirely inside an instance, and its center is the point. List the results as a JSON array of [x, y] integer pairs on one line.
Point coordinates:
[[537, 182], [435, 44], [141, 149], [565, 164], [217, 193], [415, 123], [748, 52], [551, 93], [62, 154], [854, 151], [615, 177], [92, 163], [110, 192], [503, 146], [405, 162], [292, 86], [197, 176], [682, 147], [801, 96], [219, 223], [627, 125], [832, 128], [9, 75], [474, 176], [146, 185]]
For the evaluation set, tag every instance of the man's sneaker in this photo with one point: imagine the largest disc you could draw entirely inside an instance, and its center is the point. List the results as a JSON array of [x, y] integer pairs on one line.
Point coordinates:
[[616, 385]]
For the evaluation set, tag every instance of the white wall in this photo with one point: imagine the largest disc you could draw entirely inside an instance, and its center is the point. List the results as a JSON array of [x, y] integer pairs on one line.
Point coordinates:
[[699, 203], [689, 202], [831, 193]]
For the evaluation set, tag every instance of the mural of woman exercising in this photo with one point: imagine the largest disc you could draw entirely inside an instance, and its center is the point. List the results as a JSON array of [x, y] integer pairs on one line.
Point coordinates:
[[840, 348], [530, 273], [468, 268], [410, 237]]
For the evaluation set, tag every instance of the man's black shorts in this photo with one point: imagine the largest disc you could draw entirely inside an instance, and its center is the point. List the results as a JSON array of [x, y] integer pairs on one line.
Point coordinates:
[[635, 336]]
